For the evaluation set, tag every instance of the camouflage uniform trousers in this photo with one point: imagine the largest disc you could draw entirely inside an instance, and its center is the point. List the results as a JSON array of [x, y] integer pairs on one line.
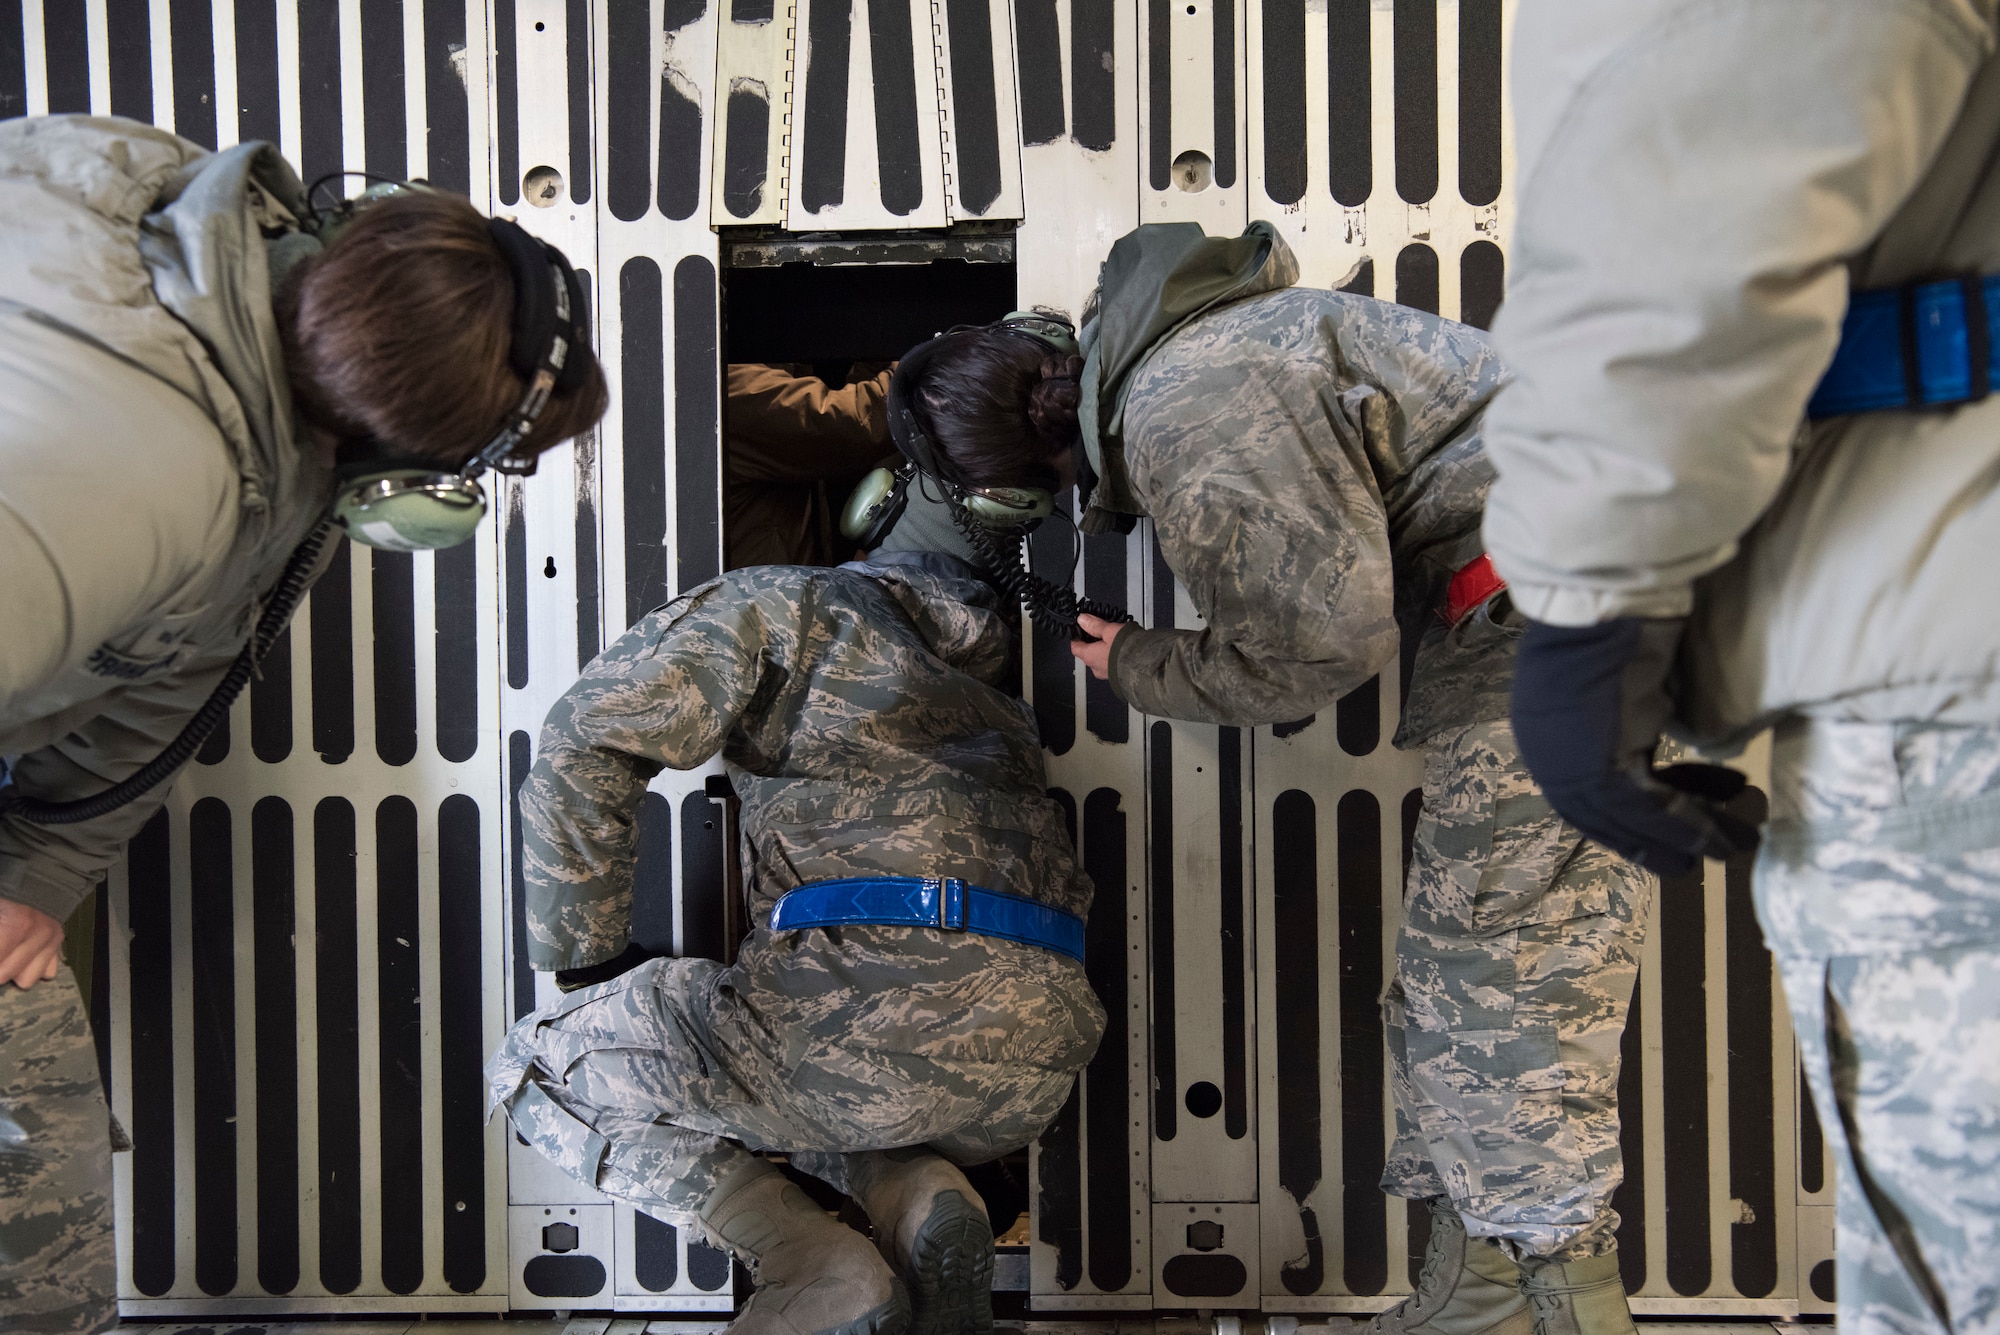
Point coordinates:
[[58, 1264], [657, 1086], [1514, 972], [1879, 891]]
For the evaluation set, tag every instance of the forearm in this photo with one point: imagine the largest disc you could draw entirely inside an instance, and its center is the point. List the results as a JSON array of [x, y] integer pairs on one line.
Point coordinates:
[[580, 844]]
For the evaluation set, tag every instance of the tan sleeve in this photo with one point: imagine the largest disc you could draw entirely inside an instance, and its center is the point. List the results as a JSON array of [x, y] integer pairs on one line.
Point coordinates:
[[788, 428]]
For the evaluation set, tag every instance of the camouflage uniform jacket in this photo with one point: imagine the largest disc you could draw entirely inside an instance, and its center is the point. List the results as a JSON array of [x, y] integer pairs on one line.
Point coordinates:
[[1315, 470], [859, 717]]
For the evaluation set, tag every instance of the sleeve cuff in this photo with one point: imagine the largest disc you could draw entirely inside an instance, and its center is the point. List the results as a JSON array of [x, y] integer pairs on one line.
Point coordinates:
[[54, 892]]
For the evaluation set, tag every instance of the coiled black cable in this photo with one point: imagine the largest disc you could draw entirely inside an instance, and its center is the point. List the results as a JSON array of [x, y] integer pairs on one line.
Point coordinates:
[[1052, 607], [285, 597]]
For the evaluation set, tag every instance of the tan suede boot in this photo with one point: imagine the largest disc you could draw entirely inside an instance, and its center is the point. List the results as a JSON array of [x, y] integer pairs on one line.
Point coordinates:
[[931, 1225], [1468, 1286], [1581, 1297], [815, 1276]]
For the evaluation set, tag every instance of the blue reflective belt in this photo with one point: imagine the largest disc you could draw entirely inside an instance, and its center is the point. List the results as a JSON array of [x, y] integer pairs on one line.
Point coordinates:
[[1922, 345], [944, 902]]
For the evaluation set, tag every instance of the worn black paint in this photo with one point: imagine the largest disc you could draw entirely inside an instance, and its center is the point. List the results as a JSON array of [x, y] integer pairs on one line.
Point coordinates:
[[655, 1259], [1159, 93], [1160, 907], [1482, 280], [697, 424], [752, 11], [1753, 1158], [1059, 1184], [150, 956], [576, 33], [455, 580], [1295, 914], [1415, 69], [257, 115], [330, 612], [448, 143], [1812, 1141], [274, 991], [1093, 79], [520, 758], [393, 577], [1357, 718], [1358, 874], [1479, 107], [576, 1275], [1204, 1275], [1363, 280], [1039, 71], [703, 868], [506, 105], [1682, 925], [821, 163], [1417, 277], [66, 46], [99, 1000], [191, 37], [382, 88], [1108, 1126], [1630, 1198], [1224, 13], [745, 138], [319, 123], [681, 158], [1821, 1280], [589, 600], [641, 313], [271, 703], [212, 923], [708, 1267], [1413, 810], [337, 952], [13, 61], [400, 1044], [514, 579], [1350, 103], [1285, 100], [628, 178], [1053, 667], [1107, 717], [893, 61], [975, 108], [1235, 943], [128, 31], [461, 1049]]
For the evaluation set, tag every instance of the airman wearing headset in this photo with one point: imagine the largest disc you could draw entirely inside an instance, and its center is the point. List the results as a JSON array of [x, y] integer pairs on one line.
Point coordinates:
[[1314, 466], [206, 382]]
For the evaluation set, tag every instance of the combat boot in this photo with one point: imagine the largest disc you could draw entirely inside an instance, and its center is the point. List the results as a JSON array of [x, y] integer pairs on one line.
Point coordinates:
[[814, 1275], [1468, 1286], [1581, 1297], [931, 1225]]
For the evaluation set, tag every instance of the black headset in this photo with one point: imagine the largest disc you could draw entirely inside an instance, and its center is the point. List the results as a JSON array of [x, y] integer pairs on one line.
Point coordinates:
[[411, 506], [986, 516]]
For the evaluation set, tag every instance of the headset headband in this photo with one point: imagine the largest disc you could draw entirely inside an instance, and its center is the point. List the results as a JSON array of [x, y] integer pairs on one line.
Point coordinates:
[[549, 325]]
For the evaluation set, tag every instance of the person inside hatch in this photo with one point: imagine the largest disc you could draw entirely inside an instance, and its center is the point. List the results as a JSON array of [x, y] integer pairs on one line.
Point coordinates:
[[793, 448], [207, 379], [1315, 468]]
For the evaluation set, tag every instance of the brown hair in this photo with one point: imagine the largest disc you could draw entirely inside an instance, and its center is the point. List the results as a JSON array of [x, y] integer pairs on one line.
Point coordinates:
[[401, 331], [1000, 407]]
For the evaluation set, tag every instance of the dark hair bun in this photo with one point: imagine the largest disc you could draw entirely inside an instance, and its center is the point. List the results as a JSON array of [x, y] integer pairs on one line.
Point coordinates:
[[1052, 402]]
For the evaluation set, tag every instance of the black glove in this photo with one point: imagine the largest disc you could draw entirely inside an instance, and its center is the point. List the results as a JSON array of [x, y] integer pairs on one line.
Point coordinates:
[[569, 980], [1589, 705]]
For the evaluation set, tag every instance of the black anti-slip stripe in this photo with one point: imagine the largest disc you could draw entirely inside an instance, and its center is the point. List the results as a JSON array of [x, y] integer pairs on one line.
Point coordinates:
[[448, 134], [1358, 874], [191, 39], [1350, 103], [128, 31], [1159, 93], [1224, 15], [1812, 1140], [1682, 925], [520, 758], [652, 924], [212, 920], [681, 158], [461, 1048], [514, 579], [1106, 716], [150, 957], [392, 576], [1630, 1198], [1059, 1170], [746, 135], [383, 139], [1107, 1080], [975, 113], [655, 1257], [576, 31], [893, 61], [1357, 718], [1417, 277], [337, 952], [1039, 70], [628, 156], [1285, 100], [1415, 69], [1295, 914], [1235, 941], [1752, 1069], [66, 43], [257, 115], [1160, 907], [702, 871], [1482, 280], [642, 369], [274, 987], [13, 61], [216, 749], [400, 1044], [1093, 75], [589, 597], [821, 164], [1054, 669], [506, 103], [271, 703], [319, 131], [1479, 107], [455, 578], [697, 423]]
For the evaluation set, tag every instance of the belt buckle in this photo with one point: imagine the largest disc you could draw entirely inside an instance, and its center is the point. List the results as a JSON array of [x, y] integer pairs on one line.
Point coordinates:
[[950, 892]]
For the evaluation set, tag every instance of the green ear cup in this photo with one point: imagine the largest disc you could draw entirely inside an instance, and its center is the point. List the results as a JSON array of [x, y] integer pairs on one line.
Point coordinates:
[[868, 504], [409, 509], [1008, 507]]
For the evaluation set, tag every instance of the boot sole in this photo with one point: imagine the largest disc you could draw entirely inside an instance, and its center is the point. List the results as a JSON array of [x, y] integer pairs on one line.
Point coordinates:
[[951, 1270]]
